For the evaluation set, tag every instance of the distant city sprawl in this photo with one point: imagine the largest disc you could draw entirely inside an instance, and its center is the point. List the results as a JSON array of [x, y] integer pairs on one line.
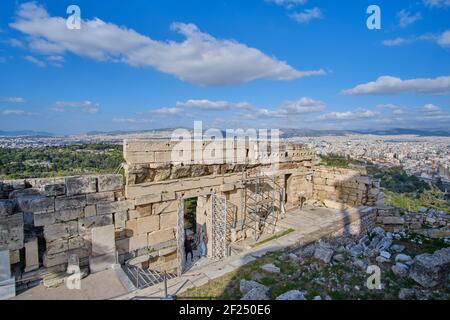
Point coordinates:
[[425, 157]]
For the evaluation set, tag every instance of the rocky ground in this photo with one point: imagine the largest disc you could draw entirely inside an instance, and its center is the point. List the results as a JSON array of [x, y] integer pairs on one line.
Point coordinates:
[[412, 267]]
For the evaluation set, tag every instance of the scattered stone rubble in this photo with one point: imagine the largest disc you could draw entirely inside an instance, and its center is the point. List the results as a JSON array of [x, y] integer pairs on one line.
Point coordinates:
[[348, 258], [428, 222], [271, 268], [430, 270], [252, 290], [292, 295], [427, 270]]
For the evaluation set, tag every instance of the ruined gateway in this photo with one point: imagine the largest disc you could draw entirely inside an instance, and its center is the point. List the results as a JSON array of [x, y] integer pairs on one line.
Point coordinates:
[[139, 221]]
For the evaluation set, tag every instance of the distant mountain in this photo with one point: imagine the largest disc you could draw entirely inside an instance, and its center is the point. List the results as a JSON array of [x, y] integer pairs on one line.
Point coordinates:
[[25, 133], [289, 133], [400, 131], [285, 133], [121, 132]]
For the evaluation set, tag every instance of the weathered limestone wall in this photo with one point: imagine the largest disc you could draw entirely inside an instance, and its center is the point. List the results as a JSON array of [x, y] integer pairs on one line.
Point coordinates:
[[211, 152], [156, 183], [297, 181], [364, 222], [340, 188], [11, 230], [42, 221]]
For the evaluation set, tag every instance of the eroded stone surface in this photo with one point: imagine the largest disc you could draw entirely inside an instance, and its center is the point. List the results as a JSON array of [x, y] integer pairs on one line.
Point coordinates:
[[292, 295], [246, 286], [430, 270], [80, 185]]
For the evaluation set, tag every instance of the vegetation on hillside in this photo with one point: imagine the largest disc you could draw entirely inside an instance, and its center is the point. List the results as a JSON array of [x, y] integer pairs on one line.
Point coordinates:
[[408, 192], [396, 180], [431, 199], [190, 214], [336, 161], [403, 191], [59, 161]]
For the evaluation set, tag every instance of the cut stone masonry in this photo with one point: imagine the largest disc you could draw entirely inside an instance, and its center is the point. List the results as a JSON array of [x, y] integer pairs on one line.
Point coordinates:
[[43, 221]]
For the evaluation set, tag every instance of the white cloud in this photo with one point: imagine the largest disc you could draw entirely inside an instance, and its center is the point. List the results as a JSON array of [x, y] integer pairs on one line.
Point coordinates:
[[395, 109], [425, 37], [35, 61], [200, 58], [15, 112], [437, 3], [243, 110], [404, 41], [55, 61], [431, 108], [396, 42], [168, 111], [300, 106], [359, 113], [393, 85], [213, 105], [406, 18], [131, 120], [261, 113], [398, 111], [15, 43], [425, 116], [205, 104], [288, 109], [444, 39], [55, 58], [288, 3], [303, 105], [433, 114], [12, 99], [74, 106], [307, 15]]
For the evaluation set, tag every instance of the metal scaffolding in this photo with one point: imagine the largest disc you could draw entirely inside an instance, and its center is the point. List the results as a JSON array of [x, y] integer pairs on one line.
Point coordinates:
[[263, 203], [223, 220]]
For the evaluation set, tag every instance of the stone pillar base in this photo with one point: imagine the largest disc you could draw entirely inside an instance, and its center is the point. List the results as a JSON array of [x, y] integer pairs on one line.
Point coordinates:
[[8, 288]]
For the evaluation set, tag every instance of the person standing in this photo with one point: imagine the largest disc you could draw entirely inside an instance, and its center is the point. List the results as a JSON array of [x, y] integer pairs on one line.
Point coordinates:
[[202, 241], [188, 248]]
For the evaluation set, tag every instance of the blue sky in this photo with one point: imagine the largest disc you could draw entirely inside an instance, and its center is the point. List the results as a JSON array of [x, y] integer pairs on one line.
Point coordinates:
[[137, 65]]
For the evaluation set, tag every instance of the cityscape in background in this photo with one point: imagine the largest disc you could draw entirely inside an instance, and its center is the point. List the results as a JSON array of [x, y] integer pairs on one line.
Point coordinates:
[[427, 157]]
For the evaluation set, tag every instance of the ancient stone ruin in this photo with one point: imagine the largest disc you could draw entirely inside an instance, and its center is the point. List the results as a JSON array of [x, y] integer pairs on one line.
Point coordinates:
[[138, 220]]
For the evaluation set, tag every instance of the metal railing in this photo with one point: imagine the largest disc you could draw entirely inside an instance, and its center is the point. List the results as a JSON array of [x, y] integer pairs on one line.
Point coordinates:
[[142, 279]]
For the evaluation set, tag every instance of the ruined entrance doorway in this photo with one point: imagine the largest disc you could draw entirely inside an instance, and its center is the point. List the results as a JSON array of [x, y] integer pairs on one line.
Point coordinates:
[[287, 177], [190, 214], [208, 218], [191, 232]]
